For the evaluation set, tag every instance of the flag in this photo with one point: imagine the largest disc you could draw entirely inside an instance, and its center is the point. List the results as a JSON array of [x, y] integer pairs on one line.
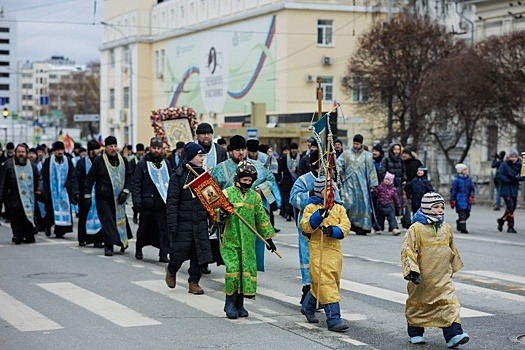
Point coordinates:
[[210, 195], [321, 130], [99, 140]]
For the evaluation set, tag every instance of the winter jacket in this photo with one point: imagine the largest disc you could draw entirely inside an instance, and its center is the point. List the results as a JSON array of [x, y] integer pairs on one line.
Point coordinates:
[[393, 165], [186, 217], [461, 189], [508, 176], [411, 166], [417, 188], [387, 195]]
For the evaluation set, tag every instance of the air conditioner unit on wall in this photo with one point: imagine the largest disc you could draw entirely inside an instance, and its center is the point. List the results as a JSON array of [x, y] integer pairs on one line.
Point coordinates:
[[327, 61], [309, 78], [159, 76], [123, 116], [125, 69]]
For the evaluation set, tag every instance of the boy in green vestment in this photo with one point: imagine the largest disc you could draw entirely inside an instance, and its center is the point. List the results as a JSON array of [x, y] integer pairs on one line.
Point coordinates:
[[237, 242]]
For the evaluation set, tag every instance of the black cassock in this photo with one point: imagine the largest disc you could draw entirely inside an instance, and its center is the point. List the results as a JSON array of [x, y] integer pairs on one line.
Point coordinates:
[[98, 176]]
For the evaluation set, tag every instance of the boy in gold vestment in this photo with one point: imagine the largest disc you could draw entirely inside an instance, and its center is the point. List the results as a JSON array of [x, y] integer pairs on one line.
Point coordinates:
[[429, 258]]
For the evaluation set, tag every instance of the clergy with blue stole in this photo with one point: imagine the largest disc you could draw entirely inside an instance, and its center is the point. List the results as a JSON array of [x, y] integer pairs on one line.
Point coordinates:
[[149, 192], [215, 154], [89, 225], [20, 182], [57, 173], [358, 176], [110, 174], [224, 173]]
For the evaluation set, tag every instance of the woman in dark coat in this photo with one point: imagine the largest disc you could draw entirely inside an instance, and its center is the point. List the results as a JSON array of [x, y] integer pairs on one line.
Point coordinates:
[[187, 222], [393, 163], [509, 178]]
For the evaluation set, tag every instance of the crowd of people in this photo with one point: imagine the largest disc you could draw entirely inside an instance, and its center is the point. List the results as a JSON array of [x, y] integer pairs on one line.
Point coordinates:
[[42, 189]]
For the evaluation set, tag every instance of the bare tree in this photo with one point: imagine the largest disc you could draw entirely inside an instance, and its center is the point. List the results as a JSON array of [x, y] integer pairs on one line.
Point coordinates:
[[393, 58], [79, 93], [506, 53], [458, 97]]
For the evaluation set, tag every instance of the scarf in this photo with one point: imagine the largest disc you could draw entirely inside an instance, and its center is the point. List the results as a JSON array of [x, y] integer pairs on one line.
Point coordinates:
[[292, 165], [160, 177], [24, 179], [211, 157], [425, 219]]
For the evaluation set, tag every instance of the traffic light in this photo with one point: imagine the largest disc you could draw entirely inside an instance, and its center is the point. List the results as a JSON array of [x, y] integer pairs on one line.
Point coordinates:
[[5, 112]]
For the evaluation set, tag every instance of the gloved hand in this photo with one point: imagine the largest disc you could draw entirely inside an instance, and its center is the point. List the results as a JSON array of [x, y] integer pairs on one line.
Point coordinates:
[[398, 211], [415, 277], [452, 204], [327, 230], [270, 246], [87, 201], [471, 200], [324, 212], [122, 198], [223, 215], [75, 199]]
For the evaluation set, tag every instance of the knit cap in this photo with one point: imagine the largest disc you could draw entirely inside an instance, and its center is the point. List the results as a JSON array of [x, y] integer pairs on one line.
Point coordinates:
[[514, 153], [191, 150], [319, 185], [390, 176], [430, 199], [460, 167]]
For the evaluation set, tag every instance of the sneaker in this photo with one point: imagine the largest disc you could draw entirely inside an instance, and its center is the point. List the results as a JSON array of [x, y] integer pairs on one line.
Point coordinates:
[[170, 278], [377, 232], [417, 340], [396, 232], [501, 222], [511, 230], [195, 288], [458, 340]]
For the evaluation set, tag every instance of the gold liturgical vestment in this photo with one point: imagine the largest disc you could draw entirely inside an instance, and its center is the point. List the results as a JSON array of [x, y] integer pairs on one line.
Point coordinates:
[[332, 260], [431, 252]]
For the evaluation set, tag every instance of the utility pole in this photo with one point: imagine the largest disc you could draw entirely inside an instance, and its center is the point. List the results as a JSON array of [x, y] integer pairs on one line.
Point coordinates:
[[390, 89]]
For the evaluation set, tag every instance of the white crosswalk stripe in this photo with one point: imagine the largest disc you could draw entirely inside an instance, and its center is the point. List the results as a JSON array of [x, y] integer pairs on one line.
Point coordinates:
[[22, 317], [99, 305], [497, 275], [204, 303]]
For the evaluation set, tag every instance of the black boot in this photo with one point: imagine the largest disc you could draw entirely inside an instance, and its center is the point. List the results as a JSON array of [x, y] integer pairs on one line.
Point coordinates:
[[138, 254], [230, 307], [458, 226], [240, 306], [501, 222], [108, 250], [463, 227], [306, 289]]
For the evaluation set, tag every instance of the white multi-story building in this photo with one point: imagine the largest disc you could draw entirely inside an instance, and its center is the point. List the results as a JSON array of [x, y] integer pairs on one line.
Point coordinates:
[[8, 73]]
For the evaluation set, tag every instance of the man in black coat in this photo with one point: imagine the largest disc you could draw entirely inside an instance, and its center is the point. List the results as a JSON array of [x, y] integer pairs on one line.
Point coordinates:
[[215, 154], [111, 193], [288, 170], [149, 192], [20, 183], [187, 222], [57, 173], [86, 235]]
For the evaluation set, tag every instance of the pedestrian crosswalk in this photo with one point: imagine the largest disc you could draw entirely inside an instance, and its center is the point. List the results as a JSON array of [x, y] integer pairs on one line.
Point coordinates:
[[31, 318]]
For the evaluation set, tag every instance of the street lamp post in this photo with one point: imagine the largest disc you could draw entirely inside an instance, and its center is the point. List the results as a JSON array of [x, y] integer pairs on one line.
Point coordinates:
[[128, 44]]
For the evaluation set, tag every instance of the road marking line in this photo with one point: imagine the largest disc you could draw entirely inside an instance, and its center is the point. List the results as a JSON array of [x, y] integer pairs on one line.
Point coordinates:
[[308, 325], [396, 297], [204, 303], [138, 265], [489, 240], [103, 307], [468, 288], [497, 275], [352, 341], [158, 272], [120, 261], [22, 317]]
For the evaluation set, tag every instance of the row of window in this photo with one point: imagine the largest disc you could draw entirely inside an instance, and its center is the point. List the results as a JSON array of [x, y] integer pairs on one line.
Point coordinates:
[[126, 53], [125, 97]]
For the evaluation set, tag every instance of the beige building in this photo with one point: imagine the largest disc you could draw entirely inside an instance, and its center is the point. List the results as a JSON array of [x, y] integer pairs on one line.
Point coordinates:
[[224, 58]]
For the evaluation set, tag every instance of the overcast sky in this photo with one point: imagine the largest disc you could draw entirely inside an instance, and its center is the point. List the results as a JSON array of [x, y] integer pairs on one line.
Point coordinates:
[[56, 27]]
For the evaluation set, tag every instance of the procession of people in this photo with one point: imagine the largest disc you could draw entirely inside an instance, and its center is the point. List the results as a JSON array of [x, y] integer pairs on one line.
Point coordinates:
[[40, 187]]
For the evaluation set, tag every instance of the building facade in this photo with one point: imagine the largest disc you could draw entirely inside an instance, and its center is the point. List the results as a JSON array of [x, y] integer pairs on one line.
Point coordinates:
[[8, 73], [223, 57]]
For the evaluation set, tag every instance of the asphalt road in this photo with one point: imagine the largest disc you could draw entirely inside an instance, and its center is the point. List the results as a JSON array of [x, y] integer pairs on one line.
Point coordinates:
[[56, 295]]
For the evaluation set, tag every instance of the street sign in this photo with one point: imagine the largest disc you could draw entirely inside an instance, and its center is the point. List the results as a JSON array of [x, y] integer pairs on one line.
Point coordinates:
[[3, 101], [44, 100], [79, 118], [252, 133]]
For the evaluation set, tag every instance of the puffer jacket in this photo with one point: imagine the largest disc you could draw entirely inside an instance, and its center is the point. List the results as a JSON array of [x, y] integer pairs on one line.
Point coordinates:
[[461, 189], [394, 165], [508, 176], [186, 217]]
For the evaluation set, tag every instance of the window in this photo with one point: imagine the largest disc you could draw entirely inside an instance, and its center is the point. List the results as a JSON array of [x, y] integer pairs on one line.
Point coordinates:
[[157, 63], [53, 76], [162, 59], [4, 30], [27, 86], [327, 85], [112, 58], [4, 64], [125, 97], [4, 75], [5, 100], [111, 98], [127, 54], [4, 86], [325, 32], [4, 41], [4, 52], [360, 91]]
